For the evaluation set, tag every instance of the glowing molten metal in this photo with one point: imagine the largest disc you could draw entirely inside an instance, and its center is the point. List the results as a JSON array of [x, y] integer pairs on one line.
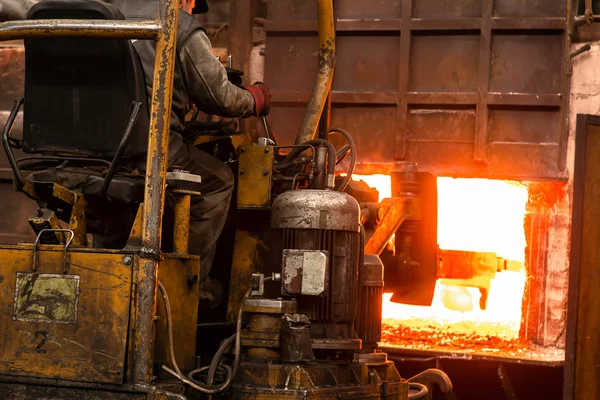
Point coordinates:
[[474, 215]]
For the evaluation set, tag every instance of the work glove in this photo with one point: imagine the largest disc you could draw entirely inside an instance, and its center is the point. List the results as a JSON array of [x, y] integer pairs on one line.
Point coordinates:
[[262, 98]]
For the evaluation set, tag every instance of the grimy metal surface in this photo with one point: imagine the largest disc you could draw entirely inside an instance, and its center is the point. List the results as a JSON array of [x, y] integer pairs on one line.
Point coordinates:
[[154, 196], [163, 30], [463, 87]]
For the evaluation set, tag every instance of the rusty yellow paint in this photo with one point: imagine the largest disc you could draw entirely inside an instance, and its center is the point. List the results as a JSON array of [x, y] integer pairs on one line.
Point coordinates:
[[63, 194], [29, 190], [180, 278], [255, 176], [324, 81], [77, 223], [135, 236], [47, 219], [245, 262], [181, 230], [89, 346]]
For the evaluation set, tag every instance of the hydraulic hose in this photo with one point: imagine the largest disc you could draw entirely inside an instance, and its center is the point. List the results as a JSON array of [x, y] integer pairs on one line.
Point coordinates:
[[331, 154], [422, 393], [352, 166], [193, 383]]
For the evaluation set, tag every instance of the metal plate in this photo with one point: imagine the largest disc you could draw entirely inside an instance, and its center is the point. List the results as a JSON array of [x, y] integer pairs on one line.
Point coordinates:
[[463, 87], [45, 339], [50, 298], [305, 272], [254, 176]]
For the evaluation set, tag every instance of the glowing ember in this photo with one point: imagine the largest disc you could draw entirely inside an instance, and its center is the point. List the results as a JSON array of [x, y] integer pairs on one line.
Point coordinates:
[[383, 183], [482, 215], [477, 215], [501, 318]]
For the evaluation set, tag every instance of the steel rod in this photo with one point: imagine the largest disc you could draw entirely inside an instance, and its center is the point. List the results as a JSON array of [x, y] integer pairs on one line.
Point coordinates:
[[13, 30]]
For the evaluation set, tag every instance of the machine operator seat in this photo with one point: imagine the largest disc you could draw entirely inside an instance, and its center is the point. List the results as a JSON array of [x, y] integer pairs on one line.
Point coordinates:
[[78, 101]]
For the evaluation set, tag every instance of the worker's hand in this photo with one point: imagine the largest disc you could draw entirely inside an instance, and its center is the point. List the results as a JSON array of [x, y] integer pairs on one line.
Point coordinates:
[[262, 98]]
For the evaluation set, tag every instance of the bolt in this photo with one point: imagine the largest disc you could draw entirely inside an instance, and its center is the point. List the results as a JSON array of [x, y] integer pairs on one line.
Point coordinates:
[[242, 171], [265, 172], [267, 149], [127, 260], [242, 149]]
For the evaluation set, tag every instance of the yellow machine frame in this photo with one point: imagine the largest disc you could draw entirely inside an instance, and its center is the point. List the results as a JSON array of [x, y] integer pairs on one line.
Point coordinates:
[[113, 292]]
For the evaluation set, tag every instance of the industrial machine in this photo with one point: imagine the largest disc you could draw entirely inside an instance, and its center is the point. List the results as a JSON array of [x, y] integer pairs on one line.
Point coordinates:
[[117, 319]]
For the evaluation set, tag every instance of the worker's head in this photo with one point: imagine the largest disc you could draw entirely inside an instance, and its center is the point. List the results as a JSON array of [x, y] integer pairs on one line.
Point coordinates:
[[188, 5], [194, 6]]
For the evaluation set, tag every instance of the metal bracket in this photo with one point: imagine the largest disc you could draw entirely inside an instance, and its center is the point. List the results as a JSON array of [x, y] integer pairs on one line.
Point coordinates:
[[6, 143], [66, 251]]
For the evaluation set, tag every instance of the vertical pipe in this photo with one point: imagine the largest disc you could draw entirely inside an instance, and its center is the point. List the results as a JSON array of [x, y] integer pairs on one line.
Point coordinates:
[[322, 87], [154, 196], [181, 237]]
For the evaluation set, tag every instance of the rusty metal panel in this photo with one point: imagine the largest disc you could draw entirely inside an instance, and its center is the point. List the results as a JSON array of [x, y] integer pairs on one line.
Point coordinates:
[[70, 326], [180, 278], [529, 63], [445, 9], [462, 87], [255, 176], [452, 63], [529, 8]]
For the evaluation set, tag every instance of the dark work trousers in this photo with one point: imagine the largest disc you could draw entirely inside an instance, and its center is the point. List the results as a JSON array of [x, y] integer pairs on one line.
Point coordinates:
[[209, 210]]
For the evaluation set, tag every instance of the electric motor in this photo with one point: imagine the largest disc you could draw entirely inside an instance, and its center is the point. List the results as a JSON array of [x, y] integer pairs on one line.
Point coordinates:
[[320, 243]]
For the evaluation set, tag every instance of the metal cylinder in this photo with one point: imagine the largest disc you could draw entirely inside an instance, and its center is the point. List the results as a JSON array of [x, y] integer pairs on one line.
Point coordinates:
[[181, 237], [327, 221]]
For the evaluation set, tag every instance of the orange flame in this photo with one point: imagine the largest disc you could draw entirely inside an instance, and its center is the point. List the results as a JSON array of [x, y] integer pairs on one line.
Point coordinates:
[[473, 215]]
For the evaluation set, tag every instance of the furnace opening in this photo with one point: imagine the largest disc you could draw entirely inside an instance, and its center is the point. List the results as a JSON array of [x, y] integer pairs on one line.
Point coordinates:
[[478, 296]]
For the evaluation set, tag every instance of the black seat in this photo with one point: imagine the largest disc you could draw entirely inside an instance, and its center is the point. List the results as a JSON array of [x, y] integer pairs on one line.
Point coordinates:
[[78, 101]]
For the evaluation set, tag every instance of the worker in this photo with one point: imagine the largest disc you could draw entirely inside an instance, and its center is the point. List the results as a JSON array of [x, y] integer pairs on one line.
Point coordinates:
[[200, 79]]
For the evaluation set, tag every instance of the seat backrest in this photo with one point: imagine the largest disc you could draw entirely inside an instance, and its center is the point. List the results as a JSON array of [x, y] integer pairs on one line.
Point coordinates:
[[79, 91]]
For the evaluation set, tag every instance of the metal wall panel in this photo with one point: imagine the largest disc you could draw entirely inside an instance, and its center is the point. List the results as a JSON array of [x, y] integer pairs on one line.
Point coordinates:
[[463, 87]]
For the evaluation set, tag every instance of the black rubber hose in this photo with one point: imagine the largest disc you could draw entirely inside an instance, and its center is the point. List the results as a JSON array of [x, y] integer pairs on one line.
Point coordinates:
[[331, 154], [342, 153], [352, 166], [215, 361]]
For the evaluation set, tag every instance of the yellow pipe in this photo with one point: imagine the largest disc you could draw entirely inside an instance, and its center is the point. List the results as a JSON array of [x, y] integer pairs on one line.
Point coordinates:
[[322, 87], [181, 236], [154, 196]]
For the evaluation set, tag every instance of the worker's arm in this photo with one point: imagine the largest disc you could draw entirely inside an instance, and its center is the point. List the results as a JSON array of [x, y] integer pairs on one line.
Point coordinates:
[[207, 83], [15, 9]]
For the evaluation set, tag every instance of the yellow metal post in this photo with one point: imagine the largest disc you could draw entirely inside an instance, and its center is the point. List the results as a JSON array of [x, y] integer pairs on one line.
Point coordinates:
[[322, 87], [154, 197], [181, 236]]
